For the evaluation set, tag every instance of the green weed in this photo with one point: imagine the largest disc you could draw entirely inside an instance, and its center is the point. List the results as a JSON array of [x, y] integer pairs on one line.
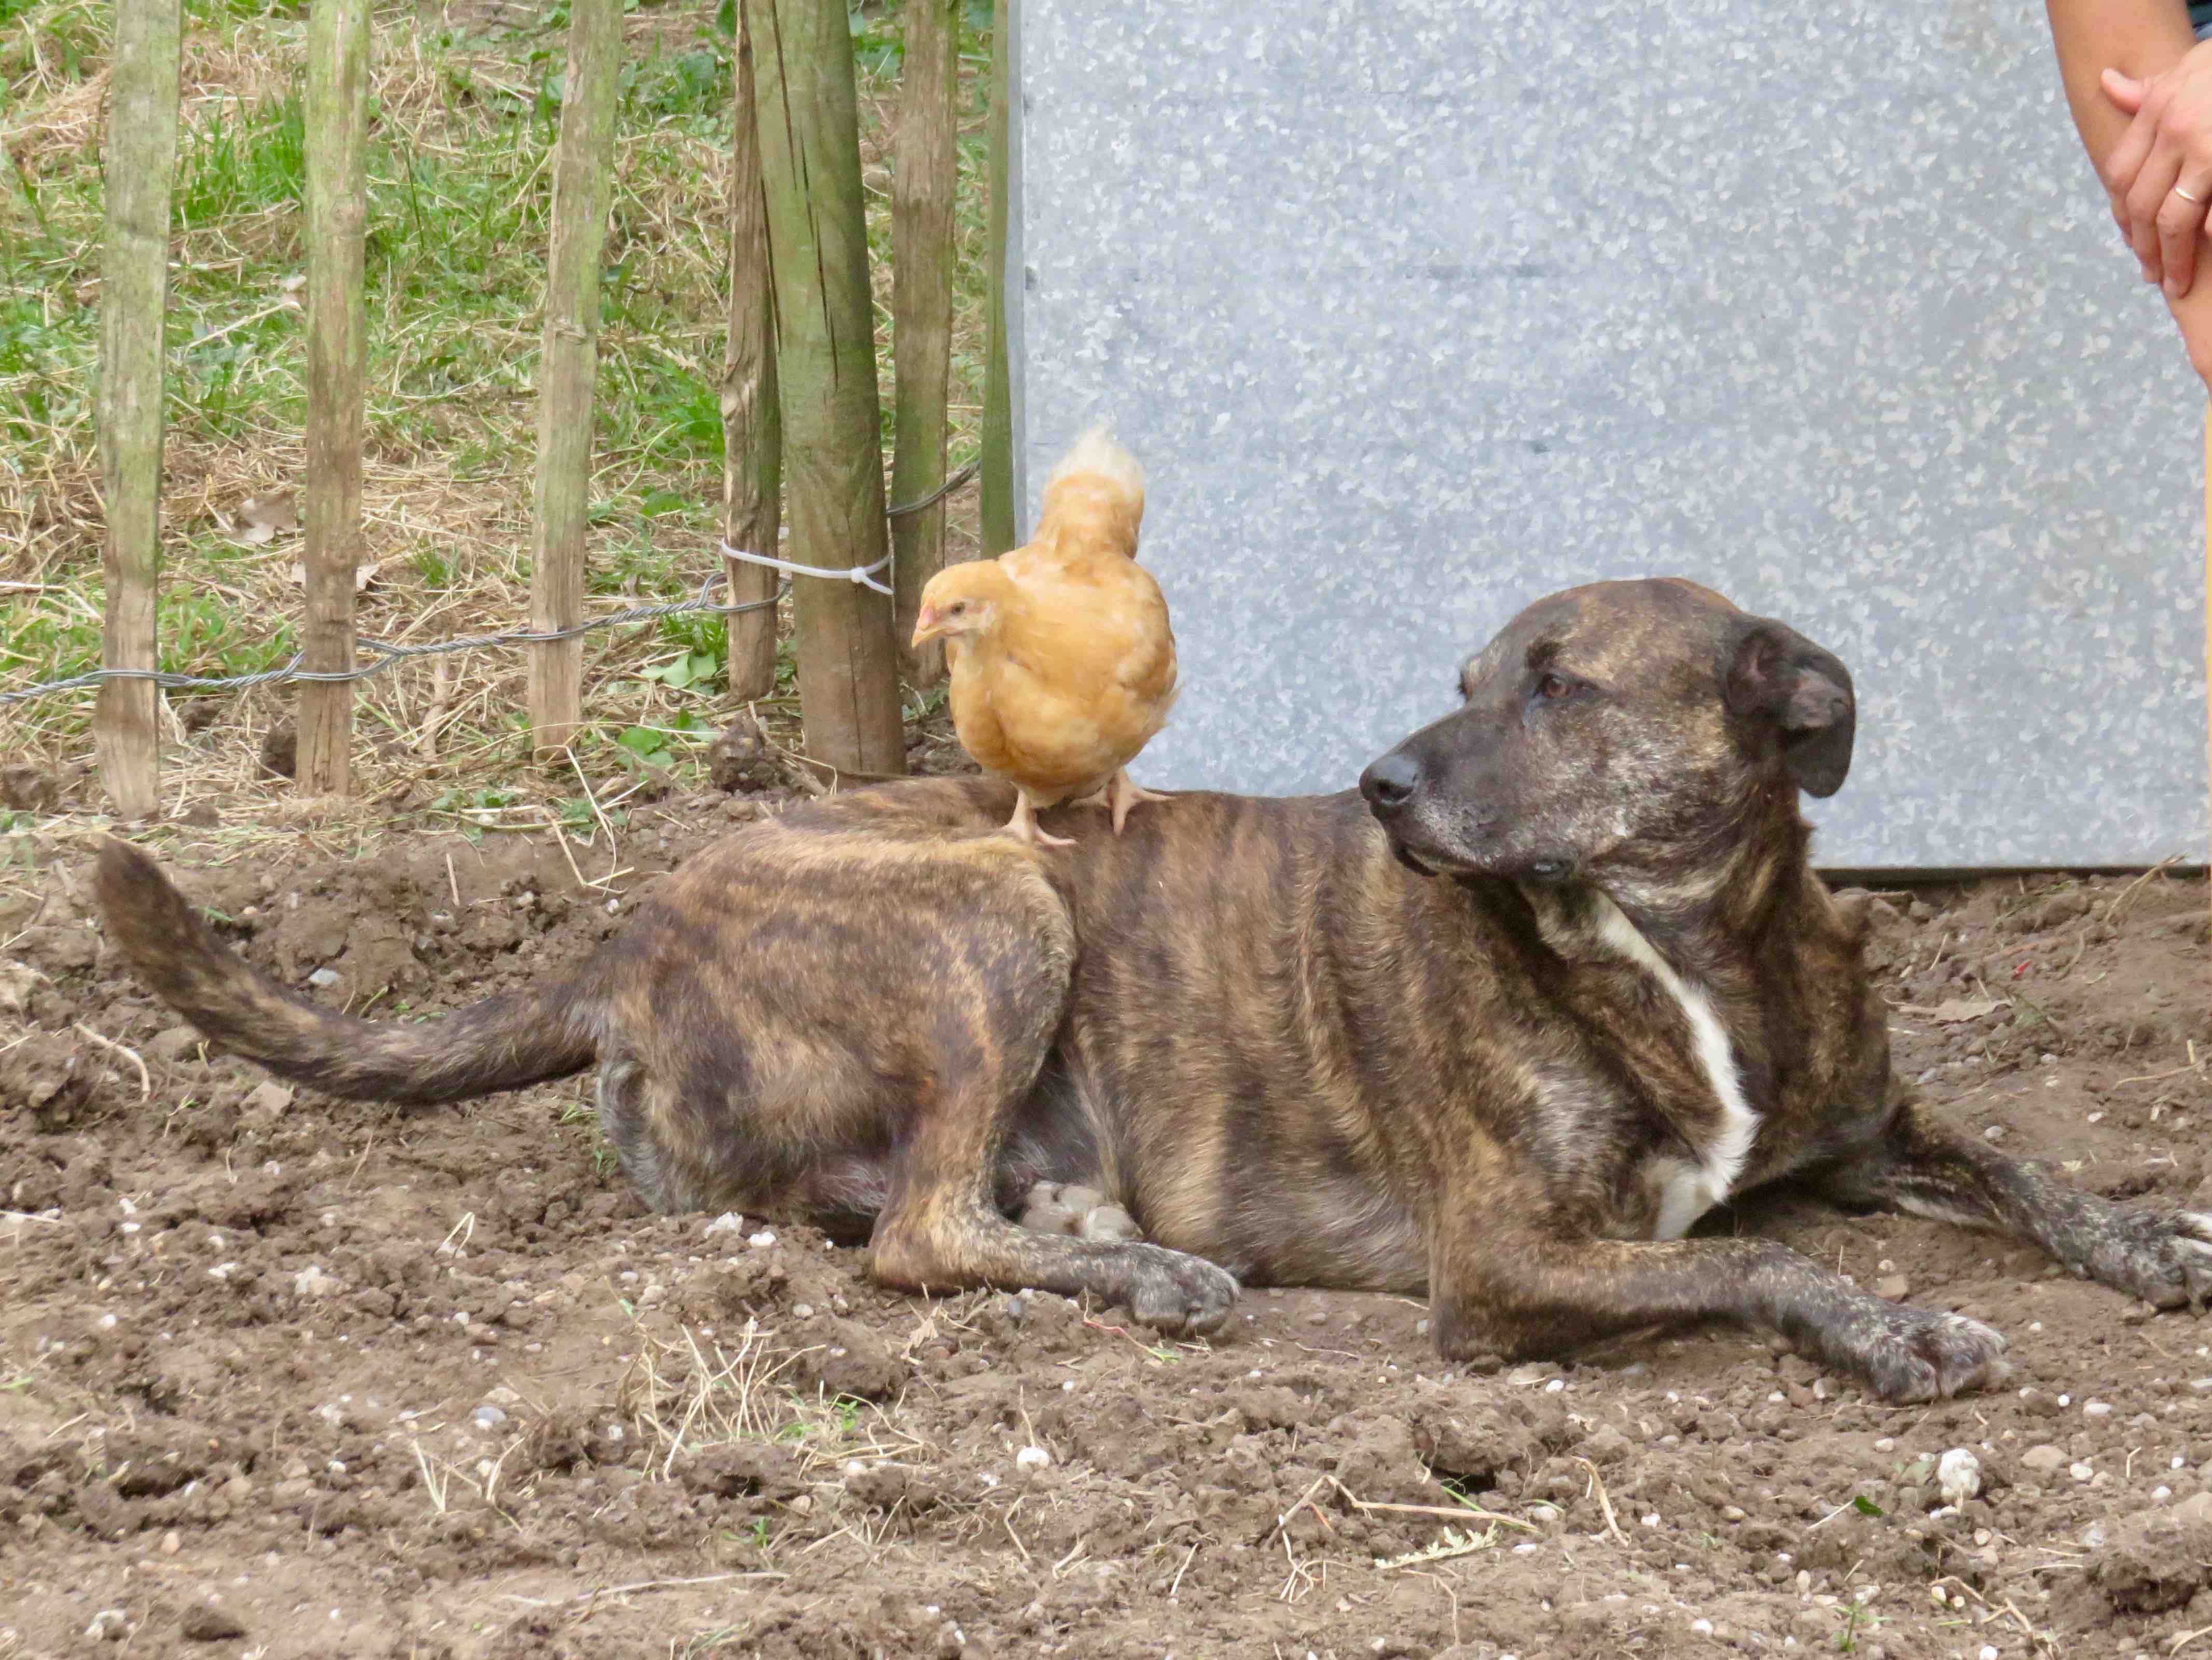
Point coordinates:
[[239, 159], [458, 167]]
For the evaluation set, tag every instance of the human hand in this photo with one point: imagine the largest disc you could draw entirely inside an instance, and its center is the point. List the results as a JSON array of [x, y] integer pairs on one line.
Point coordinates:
[[2159, 176]]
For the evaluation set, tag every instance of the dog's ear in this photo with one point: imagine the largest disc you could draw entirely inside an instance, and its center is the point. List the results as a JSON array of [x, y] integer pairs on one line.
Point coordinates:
[[1773, 673]]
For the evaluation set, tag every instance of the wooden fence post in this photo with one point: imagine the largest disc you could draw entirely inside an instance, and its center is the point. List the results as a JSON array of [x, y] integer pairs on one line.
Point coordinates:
[[134, 295], [567, 365], [921, 309], [809, 137], [338, 221], [753, 426], [998, 514]]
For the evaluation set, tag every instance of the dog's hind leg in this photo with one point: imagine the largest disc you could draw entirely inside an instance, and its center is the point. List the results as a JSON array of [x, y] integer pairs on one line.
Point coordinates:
[[941, 1229], [2162, 1255]]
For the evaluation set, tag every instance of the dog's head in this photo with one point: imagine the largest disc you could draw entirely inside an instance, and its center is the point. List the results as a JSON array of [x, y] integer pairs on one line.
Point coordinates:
[[1624, 726]]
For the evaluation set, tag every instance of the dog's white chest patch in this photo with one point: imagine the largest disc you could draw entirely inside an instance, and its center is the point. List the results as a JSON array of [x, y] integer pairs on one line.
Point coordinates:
[[1688, 1190]]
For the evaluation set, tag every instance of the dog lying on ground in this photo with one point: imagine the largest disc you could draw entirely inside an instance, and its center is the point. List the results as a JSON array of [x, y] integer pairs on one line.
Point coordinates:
[[1501, 1032]]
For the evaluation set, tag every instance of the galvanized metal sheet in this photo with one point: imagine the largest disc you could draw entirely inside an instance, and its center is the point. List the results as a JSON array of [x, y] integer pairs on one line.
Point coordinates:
[[1417, 310]]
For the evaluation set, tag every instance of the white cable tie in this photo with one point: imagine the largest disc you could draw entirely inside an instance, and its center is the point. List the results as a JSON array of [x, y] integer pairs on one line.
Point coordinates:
[[863, 575]]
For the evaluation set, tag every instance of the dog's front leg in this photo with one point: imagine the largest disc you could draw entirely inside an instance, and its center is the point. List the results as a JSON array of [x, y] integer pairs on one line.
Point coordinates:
[[1920, 1166], [1543, 1294]]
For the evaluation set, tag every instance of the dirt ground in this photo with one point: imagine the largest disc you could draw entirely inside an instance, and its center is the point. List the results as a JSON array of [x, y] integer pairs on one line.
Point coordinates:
[[283, 1376]]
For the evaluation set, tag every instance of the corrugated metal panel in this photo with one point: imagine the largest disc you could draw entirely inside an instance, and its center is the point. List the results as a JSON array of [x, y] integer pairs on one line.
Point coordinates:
[[1418, 310]]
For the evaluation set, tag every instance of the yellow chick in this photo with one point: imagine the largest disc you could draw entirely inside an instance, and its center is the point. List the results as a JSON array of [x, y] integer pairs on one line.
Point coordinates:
[[1062, 660]]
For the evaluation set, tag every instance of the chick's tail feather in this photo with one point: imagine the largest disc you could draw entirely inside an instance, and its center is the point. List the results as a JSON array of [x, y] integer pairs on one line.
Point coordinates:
[[1094, 499], [503, 1043]]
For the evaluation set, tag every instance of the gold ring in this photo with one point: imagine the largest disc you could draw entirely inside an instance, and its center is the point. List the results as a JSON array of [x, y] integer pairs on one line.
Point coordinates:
[[2186, 196]]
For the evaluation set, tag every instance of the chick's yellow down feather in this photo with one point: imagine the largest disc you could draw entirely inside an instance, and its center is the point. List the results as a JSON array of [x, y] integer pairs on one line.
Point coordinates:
[[1062, 663]]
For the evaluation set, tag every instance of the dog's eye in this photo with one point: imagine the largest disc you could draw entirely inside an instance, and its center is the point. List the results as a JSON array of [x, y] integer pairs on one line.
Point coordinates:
[[1552, 687]]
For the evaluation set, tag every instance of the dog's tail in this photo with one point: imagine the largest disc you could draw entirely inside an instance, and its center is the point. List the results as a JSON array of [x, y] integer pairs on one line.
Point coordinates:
[[502, 1043], [1094, 500]]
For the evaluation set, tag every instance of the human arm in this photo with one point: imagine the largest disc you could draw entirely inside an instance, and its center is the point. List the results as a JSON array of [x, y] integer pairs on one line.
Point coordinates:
[[2141, 93]]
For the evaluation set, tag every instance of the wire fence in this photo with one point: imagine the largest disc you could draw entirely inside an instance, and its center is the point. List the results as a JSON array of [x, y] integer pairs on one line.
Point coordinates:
[[390, 652]]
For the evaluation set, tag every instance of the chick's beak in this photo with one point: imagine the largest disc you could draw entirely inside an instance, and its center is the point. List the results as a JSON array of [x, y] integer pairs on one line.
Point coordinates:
[[928, 625]]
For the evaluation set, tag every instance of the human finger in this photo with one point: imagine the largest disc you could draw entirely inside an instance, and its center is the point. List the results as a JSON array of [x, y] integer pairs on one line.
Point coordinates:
[[2181, 228], [2122, 172], [2153, 184], [2125, 159], [2124, 92]]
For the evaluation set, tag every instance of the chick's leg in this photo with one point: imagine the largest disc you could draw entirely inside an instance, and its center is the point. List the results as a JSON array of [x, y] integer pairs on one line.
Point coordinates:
[[1122, 793], [1024, 826]]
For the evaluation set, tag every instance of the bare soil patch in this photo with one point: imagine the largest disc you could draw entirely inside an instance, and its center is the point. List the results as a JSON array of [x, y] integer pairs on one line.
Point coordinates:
[[286, 1377]]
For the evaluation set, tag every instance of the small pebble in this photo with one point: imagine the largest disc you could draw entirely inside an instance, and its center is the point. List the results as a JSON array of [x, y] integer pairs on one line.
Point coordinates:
[[1959, 1476], [312, 1281], [1032, 1458], [761, 1240], [728, 1222], [488, 1419]]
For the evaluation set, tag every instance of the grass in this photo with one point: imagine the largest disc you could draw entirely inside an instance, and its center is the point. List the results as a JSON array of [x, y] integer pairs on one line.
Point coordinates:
[[465, 108], [690, 1391]]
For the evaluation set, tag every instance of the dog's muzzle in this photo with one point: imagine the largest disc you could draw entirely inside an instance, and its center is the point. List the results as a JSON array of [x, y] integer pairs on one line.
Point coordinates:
[[1389, 786], [1389, 783]]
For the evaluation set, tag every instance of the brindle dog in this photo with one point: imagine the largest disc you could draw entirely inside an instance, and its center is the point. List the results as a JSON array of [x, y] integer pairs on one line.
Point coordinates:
[[1501, 1033]]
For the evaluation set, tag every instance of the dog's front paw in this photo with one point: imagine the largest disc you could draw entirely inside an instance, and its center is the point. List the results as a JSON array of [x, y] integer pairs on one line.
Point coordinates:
[[2163, 1257], [1177, 1293], [1906, 1353]]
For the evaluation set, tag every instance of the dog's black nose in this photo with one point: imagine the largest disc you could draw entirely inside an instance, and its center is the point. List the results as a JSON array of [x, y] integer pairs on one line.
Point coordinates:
[[1389, 783]]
